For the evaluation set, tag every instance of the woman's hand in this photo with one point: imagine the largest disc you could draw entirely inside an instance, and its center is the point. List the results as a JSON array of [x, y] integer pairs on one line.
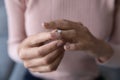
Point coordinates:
[[38, 56], [80, 38]]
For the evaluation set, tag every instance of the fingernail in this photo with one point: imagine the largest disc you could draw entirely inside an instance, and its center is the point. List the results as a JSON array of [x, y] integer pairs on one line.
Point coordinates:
[[46, 25], [60, 43], [55, 34], [67, 46]]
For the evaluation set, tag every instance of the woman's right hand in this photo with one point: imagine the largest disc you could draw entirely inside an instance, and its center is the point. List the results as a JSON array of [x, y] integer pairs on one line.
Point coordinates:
[[38, 56]]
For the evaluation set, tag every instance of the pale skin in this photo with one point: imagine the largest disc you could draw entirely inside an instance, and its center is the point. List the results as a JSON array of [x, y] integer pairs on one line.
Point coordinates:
[[39, 56]]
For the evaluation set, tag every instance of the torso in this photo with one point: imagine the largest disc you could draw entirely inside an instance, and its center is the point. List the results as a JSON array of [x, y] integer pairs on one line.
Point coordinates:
[[97, 15]]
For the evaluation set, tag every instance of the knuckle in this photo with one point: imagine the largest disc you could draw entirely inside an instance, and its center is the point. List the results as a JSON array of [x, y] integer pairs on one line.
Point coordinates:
[[40, 53], [79, 23], [51, 68], [64, 20], [25, 41], [32, 70], [45, 61], [27, 65], [74, 47], [85, 29], [77, 46], [80, 46], [28, 41], [61, 20], [22, 53]]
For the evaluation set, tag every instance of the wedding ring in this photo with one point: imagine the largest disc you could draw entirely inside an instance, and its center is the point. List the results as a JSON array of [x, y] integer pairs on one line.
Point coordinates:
[[59, 33]]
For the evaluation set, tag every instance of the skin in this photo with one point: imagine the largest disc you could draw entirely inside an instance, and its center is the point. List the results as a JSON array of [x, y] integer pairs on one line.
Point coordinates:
[[39, 56]]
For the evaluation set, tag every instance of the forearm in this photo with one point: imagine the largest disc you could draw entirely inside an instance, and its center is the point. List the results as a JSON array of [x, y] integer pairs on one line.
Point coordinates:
[[16, 27]]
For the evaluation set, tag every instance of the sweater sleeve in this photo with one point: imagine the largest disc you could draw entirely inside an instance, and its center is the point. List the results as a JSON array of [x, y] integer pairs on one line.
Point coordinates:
[[114, 61], [16, 26]]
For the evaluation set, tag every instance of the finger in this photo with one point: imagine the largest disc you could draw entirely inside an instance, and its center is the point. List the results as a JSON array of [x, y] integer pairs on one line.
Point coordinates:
[[48, 68], [67, 35], [75, 47], [62, 24], [41, 51], [50, 58], [38, 39]]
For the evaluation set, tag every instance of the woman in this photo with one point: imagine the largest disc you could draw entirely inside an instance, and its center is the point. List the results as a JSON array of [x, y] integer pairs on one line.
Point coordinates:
[[85, 32]]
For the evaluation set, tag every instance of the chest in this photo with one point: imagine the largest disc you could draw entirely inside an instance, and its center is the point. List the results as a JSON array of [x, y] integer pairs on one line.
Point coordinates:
[[97, 15]]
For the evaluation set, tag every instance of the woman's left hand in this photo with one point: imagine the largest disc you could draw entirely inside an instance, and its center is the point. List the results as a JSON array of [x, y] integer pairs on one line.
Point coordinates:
[[78, 37]]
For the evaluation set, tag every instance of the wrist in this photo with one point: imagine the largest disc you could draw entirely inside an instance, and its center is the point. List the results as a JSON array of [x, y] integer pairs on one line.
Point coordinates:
[[102, 50]]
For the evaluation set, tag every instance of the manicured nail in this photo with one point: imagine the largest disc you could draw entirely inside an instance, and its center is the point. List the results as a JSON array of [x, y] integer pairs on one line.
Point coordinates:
[[60, 43]]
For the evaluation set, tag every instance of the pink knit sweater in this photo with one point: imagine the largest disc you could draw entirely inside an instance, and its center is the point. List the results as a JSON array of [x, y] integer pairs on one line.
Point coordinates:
[[100, 16]]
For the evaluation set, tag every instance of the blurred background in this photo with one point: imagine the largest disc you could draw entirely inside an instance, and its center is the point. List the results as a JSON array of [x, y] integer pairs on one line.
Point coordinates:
[[10, 70]]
